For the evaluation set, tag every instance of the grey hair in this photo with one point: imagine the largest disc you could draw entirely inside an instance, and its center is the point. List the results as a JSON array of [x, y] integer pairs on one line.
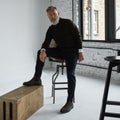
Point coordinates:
[[51, 8]]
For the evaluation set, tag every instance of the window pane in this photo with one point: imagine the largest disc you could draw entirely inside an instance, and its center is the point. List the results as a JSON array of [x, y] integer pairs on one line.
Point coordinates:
[[117, 19], [94, 20]]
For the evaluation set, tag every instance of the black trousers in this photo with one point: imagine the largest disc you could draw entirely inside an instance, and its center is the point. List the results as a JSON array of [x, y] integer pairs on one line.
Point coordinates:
[[70, 56]]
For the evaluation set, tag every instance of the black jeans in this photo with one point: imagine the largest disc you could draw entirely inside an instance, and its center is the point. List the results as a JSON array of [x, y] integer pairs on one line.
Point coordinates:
[[70, 56]]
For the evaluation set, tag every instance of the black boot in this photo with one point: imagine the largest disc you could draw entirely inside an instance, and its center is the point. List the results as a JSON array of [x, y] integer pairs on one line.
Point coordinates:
[[67, 107], [33, 82]]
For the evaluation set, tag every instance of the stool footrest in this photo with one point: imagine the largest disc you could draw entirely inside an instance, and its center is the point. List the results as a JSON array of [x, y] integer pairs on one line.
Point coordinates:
[[113, 103], [60, 82], [108, 114], [60, 88]]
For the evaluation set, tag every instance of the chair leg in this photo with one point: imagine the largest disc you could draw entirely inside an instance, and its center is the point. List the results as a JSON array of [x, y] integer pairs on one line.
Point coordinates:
[[54, 95], [54, 77], [52, 91], [106, 89]]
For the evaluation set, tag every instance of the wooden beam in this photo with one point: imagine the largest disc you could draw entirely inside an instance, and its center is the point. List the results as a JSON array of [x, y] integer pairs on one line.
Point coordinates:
[[21, 103]]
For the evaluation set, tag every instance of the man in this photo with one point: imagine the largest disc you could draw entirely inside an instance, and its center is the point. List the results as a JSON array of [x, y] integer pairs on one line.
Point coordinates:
[[68, 47]]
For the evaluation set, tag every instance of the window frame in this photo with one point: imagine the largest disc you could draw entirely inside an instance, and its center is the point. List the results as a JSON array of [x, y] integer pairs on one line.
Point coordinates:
[[96, 25], [110, 22], [115, 19], [96, 22]]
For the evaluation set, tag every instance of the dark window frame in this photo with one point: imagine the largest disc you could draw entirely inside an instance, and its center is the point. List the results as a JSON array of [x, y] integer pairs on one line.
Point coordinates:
[[110, 22]]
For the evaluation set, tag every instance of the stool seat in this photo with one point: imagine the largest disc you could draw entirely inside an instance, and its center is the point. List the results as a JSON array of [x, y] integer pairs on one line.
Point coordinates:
[[56, 59], [113, 58]]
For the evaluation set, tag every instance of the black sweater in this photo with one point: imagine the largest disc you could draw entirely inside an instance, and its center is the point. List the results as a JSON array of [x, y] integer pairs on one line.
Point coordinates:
[[65, 34]]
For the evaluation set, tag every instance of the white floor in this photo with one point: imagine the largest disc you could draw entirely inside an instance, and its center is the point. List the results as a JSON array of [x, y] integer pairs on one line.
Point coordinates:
[[87, 104]]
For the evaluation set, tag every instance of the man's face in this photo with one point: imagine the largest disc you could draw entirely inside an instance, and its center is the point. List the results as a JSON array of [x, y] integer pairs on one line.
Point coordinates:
[[52, 15]]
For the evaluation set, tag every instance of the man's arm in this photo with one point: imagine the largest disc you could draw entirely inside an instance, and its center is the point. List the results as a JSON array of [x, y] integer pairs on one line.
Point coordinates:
[[78, 40], [45, 45], [48, 38], [76, 34]]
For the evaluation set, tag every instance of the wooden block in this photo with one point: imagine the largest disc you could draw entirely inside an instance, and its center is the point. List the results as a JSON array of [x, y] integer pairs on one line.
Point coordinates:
[[21, 103]]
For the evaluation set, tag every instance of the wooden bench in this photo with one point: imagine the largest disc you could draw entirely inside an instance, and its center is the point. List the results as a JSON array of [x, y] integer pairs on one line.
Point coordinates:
[[21, 103]]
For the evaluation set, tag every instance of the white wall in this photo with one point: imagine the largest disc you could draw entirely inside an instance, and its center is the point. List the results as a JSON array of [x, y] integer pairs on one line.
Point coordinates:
[[23, 24]]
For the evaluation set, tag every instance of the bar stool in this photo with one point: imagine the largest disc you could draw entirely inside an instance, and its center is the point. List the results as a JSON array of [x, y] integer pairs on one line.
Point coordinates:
[[60, 65], [113, 61]]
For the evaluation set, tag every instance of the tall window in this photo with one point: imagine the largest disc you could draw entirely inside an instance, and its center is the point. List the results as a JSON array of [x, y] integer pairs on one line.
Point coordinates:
[[95, 24], [98, 19], [117, 19], [94, 20]]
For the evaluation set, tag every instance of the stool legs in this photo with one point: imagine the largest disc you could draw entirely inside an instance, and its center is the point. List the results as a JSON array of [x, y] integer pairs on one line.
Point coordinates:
[[54, 77], [106, 89], [54, 82]]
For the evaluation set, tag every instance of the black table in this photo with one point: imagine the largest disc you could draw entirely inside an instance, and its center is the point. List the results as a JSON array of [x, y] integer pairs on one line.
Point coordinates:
[[113, 62]]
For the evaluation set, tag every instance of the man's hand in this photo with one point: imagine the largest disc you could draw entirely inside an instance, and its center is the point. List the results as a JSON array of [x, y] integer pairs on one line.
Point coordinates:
[[43, 56], [81, 58]]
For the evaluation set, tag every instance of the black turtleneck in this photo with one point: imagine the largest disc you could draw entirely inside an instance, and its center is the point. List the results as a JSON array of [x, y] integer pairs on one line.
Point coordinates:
[[65, 34]]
